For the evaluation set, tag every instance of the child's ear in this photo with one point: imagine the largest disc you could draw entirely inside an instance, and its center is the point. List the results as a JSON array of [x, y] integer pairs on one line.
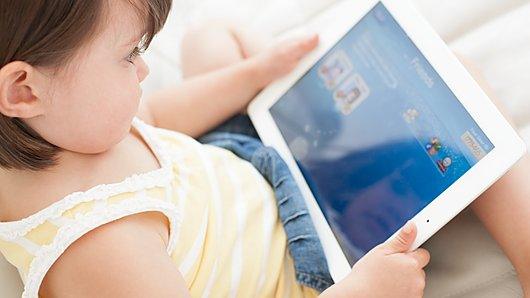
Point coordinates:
[[20, 86]]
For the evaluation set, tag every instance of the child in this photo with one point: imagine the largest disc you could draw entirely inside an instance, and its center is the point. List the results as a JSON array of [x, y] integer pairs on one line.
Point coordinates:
[[91, 205]]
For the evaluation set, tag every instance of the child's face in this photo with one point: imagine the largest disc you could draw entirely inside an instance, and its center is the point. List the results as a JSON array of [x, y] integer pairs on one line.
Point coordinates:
[[89, 106]]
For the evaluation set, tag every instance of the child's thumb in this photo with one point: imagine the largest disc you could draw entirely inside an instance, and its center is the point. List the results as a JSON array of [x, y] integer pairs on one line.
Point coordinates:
[[403, 240]]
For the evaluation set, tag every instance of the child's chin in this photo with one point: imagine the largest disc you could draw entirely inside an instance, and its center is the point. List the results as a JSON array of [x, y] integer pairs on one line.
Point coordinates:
[[99, 145]]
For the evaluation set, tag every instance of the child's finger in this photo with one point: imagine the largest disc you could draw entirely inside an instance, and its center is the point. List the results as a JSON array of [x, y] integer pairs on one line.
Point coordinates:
[[305, 45], [421, 255]]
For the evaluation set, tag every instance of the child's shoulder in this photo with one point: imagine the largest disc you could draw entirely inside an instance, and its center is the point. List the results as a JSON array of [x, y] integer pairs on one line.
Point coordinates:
[[145, 149], [130, 181], [79, 173]]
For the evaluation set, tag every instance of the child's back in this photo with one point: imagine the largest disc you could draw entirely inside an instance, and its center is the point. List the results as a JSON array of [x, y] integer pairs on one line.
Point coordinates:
[[229, 237]]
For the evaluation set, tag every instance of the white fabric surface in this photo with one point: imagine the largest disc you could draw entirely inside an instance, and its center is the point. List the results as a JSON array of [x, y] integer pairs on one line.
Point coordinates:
[[491, 33]]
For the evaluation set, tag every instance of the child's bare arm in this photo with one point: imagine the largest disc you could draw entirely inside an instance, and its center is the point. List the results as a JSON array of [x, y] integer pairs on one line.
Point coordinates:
[[204, 101], [124, 258]]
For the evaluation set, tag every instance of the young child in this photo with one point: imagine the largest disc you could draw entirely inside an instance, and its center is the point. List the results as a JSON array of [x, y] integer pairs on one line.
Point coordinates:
[[96, 202]]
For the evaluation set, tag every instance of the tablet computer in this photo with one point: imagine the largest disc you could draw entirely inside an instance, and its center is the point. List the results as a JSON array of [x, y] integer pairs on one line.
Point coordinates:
[[381, 124]]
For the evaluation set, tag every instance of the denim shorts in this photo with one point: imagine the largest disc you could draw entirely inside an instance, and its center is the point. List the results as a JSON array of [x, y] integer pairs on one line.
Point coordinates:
[[239, 136]]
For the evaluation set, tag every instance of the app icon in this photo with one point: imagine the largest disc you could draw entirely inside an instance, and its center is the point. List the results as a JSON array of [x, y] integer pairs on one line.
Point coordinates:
[[335, 69], [351, 93], [434, 146], [444, 164]]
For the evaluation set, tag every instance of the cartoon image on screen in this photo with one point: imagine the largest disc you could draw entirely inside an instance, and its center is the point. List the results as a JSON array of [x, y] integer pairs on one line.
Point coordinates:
[[350, 94], [376, 132], [336, 67]]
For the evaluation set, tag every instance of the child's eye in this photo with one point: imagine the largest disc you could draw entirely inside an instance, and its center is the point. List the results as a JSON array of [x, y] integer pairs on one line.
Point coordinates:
[[135, 53]]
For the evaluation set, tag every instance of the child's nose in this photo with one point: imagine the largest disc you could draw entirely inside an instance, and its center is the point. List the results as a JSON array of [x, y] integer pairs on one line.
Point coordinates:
[[142, 70]]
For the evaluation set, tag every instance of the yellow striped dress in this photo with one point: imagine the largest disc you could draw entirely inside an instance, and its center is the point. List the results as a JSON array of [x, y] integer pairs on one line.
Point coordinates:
[[225, 235]]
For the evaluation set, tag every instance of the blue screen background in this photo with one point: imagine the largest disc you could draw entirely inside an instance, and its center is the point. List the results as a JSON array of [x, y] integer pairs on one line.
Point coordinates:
[[370, 168]]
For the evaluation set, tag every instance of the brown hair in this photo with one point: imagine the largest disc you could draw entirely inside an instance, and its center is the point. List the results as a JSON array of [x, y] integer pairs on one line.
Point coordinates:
[[48, 33]]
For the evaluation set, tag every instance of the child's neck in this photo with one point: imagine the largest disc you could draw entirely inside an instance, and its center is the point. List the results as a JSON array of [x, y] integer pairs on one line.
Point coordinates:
[[25, 189], [26, 192]]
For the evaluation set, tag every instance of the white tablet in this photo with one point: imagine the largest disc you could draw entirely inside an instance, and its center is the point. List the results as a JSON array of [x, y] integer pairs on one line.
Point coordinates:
[[382, 124]]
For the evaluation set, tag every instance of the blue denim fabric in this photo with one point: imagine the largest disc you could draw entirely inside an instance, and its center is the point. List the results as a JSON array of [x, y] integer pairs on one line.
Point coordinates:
[[304, 245]]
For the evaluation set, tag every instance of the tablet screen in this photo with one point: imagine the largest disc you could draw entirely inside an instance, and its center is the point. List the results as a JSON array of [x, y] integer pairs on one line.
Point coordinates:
[[376, 132]]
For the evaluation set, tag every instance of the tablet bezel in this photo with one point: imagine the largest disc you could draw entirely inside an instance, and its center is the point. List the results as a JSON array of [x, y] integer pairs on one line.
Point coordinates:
[[508, 146]]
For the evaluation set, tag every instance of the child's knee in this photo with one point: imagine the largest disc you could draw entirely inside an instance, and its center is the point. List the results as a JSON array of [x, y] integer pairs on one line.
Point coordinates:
[[209, 46]]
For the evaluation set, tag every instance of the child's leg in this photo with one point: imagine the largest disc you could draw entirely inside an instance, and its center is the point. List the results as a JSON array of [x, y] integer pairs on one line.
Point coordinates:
[[217, 44], [504, 208]]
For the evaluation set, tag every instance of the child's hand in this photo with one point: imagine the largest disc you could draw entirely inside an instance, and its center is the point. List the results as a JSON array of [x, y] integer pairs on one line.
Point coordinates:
[[281, 58], [388, 270]]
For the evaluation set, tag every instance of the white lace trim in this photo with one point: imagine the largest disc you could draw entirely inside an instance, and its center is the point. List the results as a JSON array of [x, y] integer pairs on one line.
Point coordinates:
[[68, 234], [161, 177]]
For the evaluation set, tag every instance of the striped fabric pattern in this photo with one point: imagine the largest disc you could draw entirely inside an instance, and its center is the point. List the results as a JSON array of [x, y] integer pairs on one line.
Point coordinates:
[[225, 235]]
